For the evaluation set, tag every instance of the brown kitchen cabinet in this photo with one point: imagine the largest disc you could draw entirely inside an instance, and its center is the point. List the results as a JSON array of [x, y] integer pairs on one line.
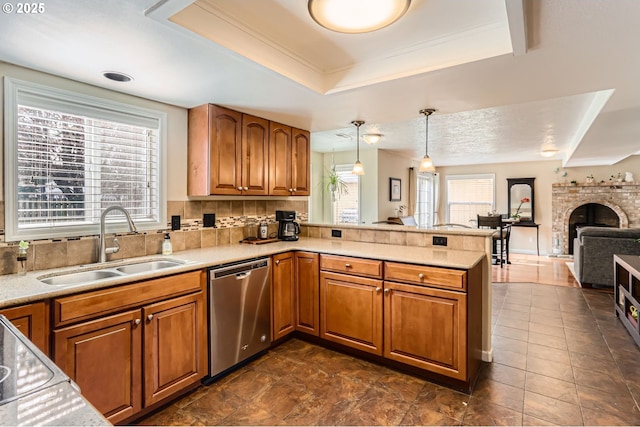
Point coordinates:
[[228, 152], [33, 321], [103, 357], [307, 295], [289, 160], [433, 318], [351, 311], [131, 346], [283, 318]]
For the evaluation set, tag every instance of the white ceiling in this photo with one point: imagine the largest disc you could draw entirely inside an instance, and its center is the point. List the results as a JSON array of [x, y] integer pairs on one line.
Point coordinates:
[[573, 83]]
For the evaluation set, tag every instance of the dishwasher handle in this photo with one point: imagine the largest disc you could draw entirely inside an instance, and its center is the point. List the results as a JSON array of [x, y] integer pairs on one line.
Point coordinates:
[[244, 275]]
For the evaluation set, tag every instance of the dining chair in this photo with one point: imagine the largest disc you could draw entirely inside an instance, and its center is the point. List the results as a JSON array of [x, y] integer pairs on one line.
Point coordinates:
[[502, 234]]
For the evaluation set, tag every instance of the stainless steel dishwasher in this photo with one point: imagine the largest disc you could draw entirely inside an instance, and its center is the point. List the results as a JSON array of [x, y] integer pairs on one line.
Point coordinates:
[[239, 314]]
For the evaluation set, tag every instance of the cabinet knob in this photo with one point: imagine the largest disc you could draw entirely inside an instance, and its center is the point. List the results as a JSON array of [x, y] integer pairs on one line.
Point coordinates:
[[420, 276], [386, 291], [295, 189], [246, 188], [149, 317], [137, 322], [347, 265], [277, 262], [240, 188], [378, 289], [291, 190]]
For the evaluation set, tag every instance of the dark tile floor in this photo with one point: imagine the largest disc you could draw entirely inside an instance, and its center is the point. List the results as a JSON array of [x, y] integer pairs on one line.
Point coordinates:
[[560, 358]]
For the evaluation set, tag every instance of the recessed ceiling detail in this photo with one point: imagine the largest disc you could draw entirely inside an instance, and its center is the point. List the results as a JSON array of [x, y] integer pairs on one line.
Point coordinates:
[[293, 45]]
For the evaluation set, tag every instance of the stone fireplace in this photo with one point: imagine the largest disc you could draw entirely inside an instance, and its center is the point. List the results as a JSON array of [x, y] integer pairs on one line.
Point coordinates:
[[603, 205]]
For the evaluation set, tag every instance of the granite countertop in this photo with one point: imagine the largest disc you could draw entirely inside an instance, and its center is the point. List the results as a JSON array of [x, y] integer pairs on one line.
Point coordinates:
[[16, 289]]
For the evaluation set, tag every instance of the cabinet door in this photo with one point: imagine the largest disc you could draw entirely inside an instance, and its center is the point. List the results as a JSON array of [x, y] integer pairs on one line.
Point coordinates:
[[255, 155], [282, 295], [307, 292], [279, 160], [300, 161], [426, 327], [351, 311], [225, 164], [104, 358], [33, 321], [175, 346]]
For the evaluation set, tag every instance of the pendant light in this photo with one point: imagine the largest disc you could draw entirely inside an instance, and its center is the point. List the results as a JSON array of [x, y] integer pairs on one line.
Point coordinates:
[[357, 167], [426, 165]]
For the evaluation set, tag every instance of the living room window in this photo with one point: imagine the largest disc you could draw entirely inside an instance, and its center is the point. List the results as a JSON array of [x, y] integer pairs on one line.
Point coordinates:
[[469, 196], [70, 156]]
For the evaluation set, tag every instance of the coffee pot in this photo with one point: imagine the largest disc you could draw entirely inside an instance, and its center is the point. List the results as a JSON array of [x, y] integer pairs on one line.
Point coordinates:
[[288, 229]]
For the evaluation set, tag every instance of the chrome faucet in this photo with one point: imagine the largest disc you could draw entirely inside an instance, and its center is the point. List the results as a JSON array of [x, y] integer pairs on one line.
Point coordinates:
[[104, 250]]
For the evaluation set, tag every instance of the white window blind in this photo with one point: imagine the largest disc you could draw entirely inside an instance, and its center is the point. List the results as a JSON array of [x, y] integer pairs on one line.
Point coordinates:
[[469, 196], [73, 157], [346, 208]]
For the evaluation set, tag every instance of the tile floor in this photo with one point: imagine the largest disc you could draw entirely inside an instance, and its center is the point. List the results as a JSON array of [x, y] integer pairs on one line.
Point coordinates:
[[561, 358]]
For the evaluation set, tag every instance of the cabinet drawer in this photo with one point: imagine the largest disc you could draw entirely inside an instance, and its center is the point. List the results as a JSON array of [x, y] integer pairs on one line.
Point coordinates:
[[350, 265], [423, 275], [97, 303]]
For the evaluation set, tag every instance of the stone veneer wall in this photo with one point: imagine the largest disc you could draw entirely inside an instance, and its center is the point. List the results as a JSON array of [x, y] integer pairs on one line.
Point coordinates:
[[623, 198], [231, 216]]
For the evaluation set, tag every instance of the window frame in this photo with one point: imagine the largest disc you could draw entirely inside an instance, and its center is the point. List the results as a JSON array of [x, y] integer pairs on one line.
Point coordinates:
[[491, 176], [93, 106]]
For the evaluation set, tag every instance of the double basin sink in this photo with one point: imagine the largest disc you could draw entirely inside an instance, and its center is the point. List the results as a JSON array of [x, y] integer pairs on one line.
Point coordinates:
[[88, 276]]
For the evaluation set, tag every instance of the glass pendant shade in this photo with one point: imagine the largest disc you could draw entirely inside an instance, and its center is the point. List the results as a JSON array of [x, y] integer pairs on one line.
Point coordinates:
[[426, 165], [357, 168], [356, 16]]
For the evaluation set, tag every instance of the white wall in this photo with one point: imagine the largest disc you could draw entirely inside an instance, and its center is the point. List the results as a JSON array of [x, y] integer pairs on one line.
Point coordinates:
[[176, 122], [393, 165], [523, 239]]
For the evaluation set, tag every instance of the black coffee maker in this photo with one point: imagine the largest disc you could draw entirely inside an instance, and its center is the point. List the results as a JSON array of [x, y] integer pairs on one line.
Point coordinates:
[[288, 228]]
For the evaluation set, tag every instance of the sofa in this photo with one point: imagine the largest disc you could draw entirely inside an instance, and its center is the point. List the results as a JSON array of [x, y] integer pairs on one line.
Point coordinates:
[[593, 251]]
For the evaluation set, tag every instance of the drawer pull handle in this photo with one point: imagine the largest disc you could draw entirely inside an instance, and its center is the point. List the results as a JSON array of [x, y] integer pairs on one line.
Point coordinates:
[[387, 291], [149, 317], [420, 276], [137, 322], [378, 289], [347, 265]]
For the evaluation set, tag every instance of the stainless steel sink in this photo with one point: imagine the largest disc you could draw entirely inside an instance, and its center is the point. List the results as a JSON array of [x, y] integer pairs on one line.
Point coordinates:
[[80, 277], [143, 267]]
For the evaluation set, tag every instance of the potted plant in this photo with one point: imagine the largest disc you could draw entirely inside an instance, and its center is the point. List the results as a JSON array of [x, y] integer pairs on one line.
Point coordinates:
[[335, 184]]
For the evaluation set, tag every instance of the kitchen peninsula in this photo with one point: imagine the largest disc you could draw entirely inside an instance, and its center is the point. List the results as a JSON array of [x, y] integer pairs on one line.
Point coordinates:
[[409, 272]]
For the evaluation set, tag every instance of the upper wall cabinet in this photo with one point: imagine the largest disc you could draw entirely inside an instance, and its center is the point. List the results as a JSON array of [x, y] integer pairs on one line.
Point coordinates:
[[231, 153], [289, 158]]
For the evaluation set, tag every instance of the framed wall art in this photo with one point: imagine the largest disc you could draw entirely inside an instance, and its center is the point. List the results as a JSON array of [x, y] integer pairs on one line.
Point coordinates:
[[395, 189]]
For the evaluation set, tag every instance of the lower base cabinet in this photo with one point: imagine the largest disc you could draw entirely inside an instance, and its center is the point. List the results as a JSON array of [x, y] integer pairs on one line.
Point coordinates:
[[129, 361], [33, 321], [351, 311], [410, 313]]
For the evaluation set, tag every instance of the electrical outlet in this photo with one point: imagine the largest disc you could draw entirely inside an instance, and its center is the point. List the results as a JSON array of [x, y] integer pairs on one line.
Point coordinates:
[[336, 233], [209, 220], [175, 222], [439, 241]]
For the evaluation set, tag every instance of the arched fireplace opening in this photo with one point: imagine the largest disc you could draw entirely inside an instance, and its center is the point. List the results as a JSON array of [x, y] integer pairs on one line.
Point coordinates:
[[591, 215]]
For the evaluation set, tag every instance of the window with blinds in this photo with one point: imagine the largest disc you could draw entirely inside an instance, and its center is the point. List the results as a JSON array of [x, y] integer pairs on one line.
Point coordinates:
[[469, 196], [73, 156]]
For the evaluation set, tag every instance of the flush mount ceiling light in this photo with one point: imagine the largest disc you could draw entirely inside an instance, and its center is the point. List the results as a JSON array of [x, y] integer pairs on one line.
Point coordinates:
[[426, 165], [117, 76], [372, 138], [548, 150], [357, 16], [357, 166]]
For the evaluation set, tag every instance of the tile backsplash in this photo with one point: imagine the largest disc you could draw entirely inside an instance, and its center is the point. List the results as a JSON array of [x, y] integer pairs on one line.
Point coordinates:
[[231, 217]]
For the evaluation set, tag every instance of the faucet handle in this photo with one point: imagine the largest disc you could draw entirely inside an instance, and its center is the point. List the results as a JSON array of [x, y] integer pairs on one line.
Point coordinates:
[[113, 249]]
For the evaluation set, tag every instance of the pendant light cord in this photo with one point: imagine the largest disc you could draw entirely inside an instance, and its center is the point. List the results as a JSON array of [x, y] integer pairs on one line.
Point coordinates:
[[427, 112]]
